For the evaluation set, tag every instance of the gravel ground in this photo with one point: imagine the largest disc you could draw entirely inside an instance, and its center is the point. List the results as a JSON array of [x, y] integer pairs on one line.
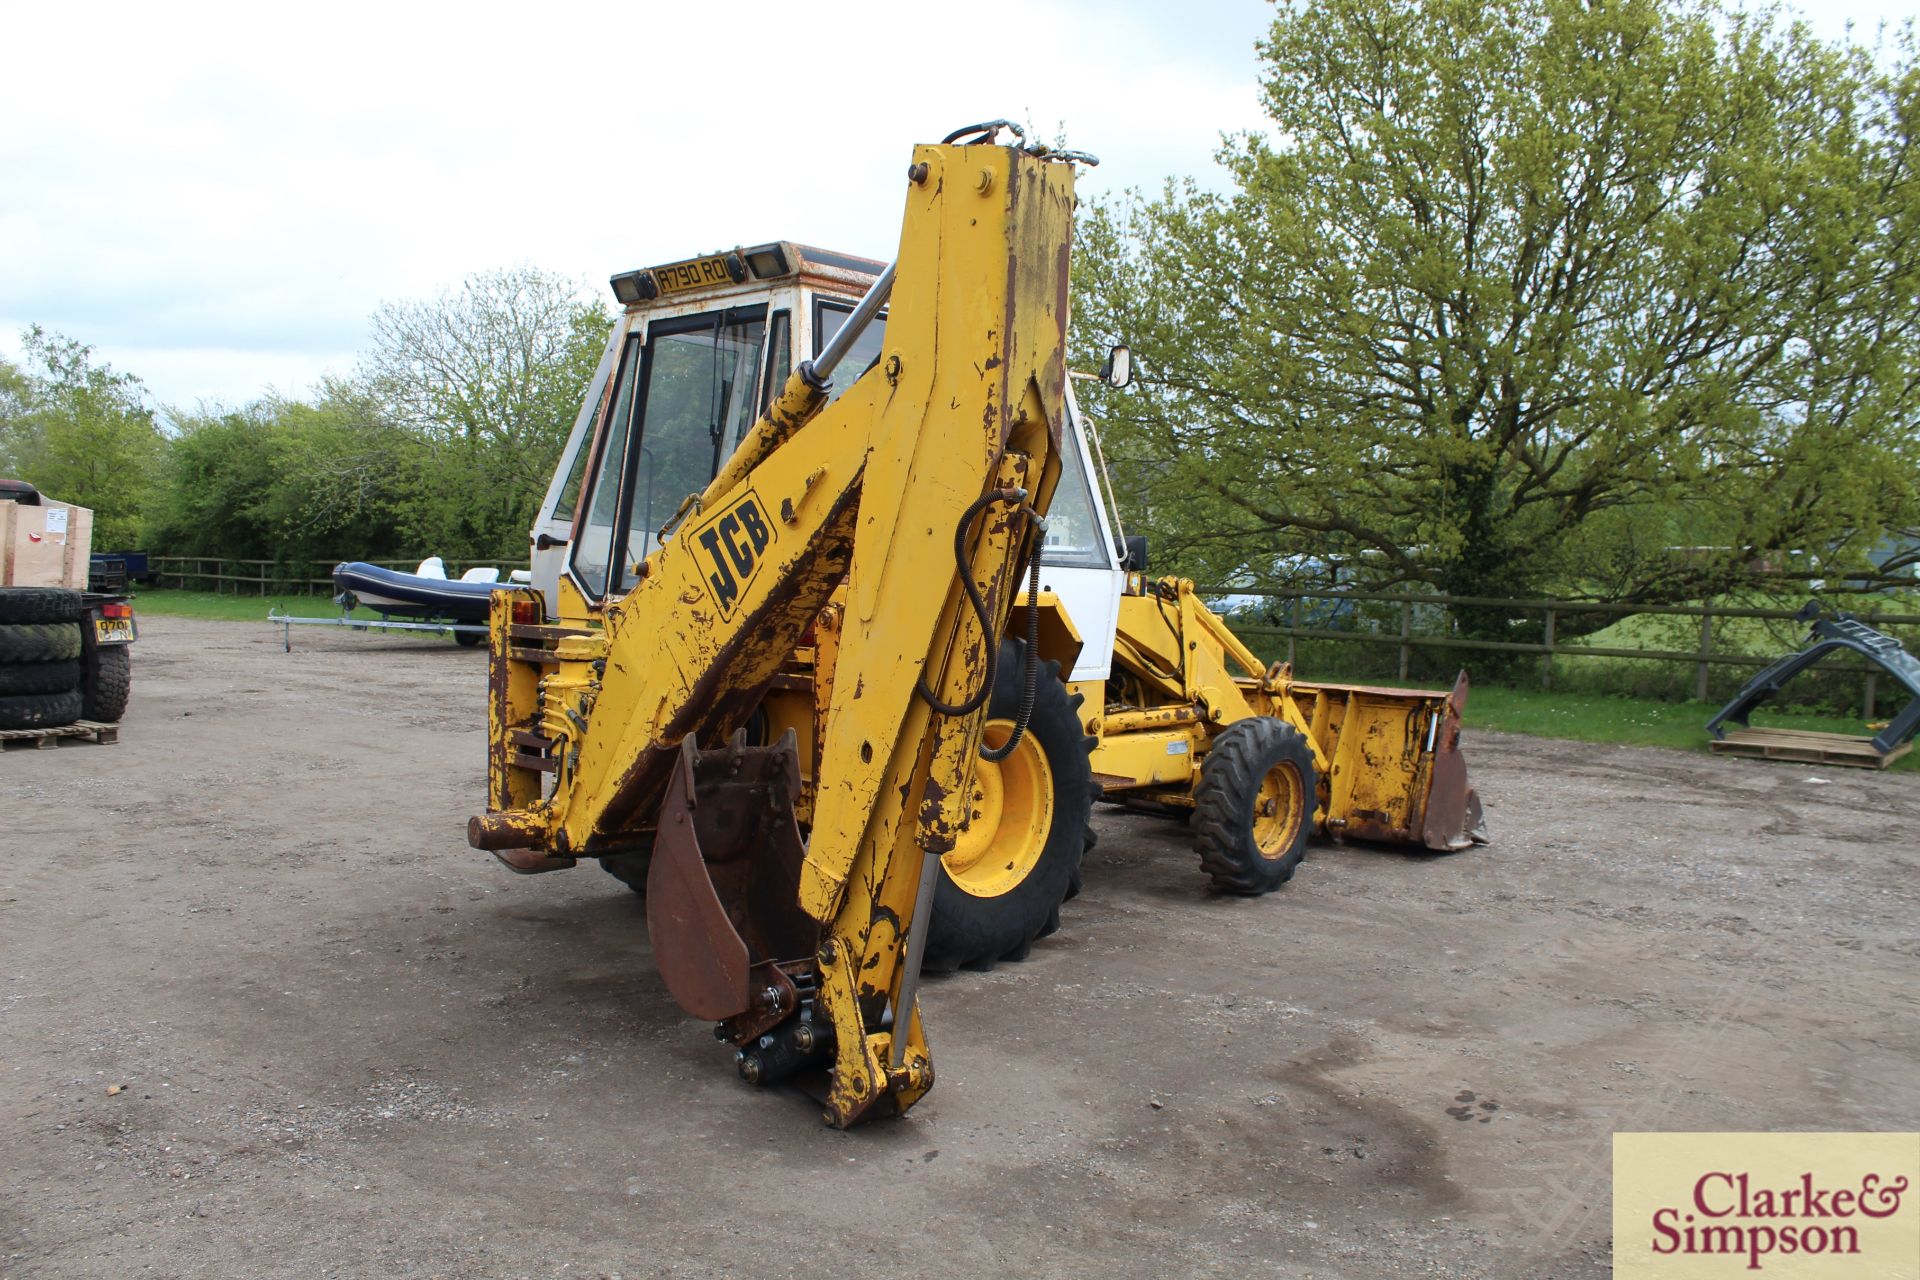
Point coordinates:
[[265, 1014]]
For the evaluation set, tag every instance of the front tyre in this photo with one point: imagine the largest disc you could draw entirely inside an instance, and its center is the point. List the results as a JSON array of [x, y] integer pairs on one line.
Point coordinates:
[[1018, 858], [1253, 809]]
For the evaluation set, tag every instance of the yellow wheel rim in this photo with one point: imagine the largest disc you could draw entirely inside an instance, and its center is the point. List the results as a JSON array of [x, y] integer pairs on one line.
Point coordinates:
[[1010, 814], [1278, 811]]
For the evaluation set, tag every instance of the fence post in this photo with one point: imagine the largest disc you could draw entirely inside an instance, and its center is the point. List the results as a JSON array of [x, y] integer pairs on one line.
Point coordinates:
[[1292, 627], [1546, 659], [1706, 647], [1406, 629], [1873, 688]]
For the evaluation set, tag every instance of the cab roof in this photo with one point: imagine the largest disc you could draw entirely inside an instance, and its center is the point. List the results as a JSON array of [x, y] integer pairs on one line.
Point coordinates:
[[728, 268]]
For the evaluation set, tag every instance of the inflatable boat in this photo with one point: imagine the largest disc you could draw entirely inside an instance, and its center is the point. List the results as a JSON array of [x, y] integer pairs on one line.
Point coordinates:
[[426, 594]]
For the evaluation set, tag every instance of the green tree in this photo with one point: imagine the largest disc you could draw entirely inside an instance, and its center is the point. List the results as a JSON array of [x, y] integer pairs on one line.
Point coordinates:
[[296, 482], [81, 432], [492, 377], [1521, 295]]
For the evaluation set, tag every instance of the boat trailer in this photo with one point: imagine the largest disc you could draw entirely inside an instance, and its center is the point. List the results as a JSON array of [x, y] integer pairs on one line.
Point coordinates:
[[287, 622]]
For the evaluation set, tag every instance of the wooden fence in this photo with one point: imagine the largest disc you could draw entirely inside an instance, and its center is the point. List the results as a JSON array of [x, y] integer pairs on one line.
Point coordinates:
[[1293, 604], [264, 577]]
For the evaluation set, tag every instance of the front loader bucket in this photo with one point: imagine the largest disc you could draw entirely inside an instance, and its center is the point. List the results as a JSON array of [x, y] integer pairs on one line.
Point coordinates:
[[723, 888], [1396, 775]]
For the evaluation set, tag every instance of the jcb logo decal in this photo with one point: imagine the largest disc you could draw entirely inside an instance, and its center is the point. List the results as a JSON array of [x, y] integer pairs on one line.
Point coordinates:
[[733, 545]]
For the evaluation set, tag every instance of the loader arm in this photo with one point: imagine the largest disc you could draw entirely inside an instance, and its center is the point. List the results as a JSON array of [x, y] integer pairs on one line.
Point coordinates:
[[954, 435]]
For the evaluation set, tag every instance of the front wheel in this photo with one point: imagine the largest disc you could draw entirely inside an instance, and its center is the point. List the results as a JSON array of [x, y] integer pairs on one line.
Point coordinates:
[[1253, 809], [1018, 858]]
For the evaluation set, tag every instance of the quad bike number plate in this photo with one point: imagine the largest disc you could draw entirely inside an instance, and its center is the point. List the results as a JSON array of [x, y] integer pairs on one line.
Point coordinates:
[[113, 630]]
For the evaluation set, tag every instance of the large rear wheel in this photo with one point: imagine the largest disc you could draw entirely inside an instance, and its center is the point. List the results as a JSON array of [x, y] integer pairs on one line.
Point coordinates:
[[630, 869], [1253, 809], [1002, 884]]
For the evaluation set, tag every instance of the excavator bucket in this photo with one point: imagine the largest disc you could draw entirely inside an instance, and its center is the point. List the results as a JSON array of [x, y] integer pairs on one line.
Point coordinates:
[[722, 890]]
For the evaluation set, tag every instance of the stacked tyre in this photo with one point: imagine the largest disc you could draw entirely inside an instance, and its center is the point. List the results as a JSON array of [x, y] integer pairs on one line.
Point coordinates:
[[42, 645]]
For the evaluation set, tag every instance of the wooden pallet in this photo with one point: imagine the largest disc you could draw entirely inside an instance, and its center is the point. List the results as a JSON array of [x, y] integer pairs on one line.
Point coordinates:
[[1805, 746], [86, 730]]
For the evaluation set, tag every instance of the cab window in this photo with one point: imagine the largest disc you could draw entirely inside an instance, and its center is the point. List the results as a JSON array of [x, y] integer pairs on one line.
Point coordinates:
[[698, 402], [828, 317], [1074, 539], [779, 360], [593, 542], [570, 491], [683, 400]]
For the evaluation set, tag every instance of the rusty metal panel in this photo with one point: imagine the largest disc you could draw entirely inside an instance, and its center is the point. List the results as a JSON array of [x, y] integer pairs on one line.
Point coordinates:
[[1454, 819], [722, 888]]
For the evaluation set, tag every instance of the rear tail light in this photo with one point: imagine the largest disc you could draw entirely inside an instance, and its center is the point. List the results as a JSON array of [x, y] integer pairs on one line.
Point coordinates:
[[526, 613], [116, 611]]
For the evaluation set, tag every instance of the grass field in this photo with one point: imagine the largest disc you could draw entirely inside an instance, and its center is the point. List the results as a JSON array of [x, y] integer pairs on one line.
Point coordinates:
[[230, 608], [1638, 721], [1582, 717]]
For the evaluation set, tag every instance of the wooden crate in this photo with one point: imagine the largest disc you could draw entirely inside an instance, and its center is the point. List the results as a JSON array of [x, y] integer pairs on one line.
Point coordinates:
[[45, 546], [1806, 746]]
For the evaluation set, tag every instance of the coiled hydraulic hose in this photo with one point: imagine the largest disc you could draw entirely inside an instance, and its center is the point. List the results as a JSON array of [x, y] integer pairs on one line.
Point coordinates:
[[965, 570]]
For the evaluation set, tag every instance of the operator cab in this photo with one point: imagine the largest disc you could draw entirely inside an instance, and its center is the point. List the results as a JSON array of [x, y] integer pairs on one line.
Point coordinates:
[[699, 351]]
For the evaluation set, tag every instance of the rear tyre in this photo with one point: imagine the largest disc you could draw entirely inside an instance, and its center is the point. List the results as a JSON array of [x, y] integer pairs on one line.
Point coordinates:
[[40, 710], [39, 677], [468, 639], [39, 604], [1018, 859], [629, 869], [1253, 809], [109, 681], [39, 641]]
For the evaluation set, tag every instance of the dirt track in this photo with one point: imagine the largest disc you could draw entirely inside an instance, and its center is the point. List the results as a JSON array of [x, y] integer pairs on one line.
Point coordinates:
[[350, 1046]]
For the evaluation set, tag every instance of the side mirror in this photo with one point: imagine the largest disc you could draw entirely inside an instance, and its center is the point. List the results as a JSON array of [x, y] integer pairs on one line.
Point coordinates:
[[1118, 371]]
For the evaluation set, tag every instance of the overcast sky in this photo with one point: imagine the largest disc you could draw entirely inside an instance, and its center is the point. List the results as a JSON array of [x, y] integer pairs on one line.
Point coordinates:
[[218, 196]]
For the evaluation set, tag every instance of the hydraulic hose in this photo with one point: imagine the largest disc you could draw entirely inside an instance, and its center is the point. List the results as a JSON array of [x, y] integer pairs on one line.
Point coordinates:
[[965, 569]]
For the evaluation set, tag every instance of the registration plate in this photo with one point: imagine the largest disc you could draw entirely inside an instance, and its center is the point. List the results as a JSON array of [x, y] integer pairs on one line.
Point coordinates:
[[113, 630], [700, 273]]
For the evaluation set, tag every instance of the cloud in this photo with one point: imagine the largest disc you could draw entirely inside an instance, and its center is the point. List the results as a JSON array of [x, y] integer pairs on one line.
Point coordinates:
[[217, 196]]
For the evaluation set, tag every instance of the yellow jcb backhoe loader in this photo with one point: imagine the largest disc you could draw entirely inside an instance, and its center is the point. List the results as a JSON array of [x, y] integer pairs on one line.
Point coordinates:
[[763, 670], [920, 492]]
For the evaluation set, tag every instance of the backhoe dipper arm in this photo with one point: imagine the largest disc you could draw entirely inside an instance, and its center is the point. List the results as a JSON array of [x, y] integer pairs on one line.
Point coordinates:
[[807, 953]]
